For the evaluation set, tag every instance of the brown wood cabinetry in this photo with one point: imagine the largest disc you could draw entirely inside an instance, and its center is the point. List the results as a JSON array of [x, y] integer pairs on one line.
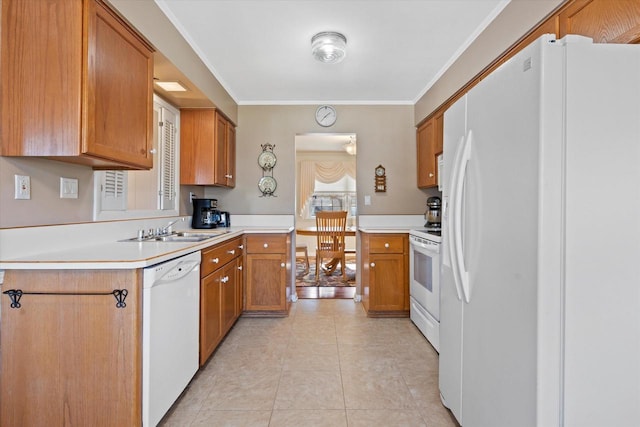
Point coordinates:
[[605, 21], [77, 85], [207, 148], [220, 293], [69, 358], [429, 139], [385, 274], [267, 274]]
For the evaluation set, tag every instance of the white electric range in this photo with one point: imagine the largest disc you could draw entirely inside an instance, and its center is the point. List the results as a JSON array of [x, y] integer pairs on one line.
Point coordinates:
[[424, 283]]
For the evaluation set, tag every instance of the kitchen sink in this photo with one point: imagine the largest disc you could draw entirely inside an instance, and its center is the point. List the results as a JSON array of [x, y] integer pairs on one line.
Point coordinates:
[[180, 236]]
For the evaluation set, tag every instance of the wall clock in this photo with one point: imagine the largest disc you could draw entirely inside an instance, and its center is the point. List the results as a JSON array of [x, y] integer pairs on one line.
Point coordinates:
[[326, 115], [381, 179]]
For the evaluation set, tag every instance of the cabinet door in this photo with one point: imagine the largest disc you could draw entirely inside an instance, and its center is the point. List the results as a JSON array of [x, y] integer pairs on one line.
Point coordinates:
[[388, 283], [63, 355], [118, 116], [197, 132], [266, 281], [231, 156], [31, 127], [210, 319], [221, 149], [605, 21], [426, 154], [228, 295], [239, 287]]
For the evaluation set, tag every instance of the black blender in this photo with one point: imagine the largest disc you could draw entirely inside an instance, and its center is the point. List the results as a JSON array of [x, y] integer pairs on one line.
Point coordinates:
[[434, 206]]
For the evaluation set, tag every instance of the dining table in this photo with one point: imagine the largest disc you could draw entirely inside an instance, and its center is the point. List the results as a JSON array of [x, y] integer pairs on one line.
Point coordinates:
[[330, 266]]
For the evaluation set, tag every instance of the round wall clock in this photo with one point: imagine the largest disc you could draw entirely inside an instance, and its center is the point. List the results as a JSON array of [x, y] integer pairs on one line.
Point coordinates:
[[267, 185], [326, 115]]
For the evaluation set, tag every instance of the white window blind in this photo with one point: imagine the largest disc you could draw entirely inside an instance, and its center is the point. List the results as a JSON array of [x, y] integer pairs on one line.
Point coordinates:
[[114, 190], [167, 177]]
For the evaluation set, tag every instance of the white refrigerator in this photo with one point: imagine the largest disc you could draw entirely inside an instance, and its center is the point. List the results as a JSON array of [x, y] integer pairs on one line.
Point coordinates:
[[540, 296]]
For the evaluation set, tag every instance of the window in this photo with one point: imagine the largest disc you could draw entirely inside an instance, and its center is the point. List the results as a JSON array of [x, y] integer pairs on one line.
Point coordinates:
[[136, 194], [335, 196], [332, 201]]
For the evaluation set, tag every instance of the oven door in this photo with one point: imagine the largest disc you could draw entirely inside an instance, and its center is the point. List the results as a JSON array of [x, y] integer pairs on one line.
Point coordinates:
[[425, 274]]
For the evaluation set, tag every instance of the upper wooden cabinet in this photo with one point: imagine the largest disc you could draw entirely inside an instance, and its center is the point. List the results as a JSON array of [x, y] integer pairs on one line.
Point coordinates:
[[207, 148], [429, 145], [77, 85], [605, 21]]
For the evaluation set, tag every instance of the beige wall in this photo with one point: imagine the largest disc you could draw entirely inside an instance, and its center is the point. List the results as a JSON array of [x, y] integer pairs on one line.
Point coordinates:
[[386, 135], [515, 20], [45, 205]]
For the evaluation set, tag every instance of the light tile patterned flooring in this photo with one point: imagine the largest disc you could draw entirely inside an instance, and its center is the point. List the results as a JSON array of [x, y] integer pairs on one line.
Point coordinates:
[[326, 364]]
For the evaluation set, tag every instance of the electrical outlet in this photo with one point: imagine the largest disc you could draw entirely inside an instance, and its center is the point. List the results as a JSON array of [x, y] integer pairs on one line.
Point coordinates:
[[22, 187], [367, 200], [68, 188]]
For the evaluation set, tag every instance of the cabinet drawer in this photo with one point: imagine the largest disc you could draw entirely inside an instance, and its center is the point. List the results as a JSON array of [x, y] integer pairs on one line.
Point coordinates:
[[387, 244], [217, 256], [267, 243]]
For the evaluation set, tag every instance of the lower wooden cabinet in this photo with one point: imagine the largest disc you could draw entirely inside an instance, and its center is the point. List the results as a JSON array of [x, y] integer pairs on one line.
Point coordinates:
[[220, 294], [267, 274], [385, 274], [70, 354]]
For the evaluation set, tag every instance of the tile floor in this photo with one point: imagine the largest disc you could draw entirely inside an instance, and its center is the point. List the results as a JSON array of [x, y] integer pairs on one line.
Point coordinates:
[[326, 364]]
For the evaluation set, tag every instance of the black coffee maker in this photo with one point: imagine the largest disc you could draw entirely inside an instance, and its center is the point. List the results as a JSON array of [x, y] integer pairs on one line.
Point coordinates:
[[434, 205], [205, 213]]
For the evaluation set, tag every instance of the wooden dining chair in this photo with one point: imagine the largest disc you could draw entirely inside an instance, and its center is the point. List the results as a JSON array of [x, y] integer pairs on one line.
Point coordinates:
[[330, 230]]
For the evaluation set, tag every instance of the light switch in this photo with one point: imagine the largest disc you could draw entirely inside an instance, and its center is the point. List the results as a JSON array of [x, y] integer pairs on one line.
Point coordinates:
[[22, 187], [68, 188], [367, 200]]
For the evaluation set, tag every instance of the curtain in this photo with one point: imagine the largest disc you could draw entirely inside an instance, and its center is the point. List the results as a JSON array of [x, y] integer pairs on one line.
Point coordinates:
[[323, 171]]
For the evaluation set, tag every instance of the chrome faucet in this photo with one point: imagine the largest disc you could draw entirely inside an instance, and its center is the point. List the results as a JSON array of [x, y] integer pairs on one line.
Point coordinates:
[[167, 229]]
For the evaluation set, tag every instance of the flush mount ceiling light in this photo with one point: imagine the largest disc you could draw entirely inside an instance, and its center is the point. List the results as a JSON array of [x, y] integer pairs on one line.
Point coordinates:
[[172, 86], [329, 47], [350, 147]]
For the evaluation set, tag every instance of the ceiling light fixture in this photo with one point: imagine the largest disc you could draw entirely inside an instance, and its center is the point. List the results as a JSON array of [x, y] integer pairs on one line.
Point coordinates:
[[329, 47], [171, 86], [350, 147]]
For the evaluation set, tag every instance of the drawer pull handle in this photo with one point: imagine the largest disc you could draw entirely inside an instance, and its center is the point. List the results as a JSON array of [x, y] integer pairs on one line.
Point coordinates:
[[215, 260], [241, 247], [225, 279], [231, 252], [282, 264], [266, 245], [430, 174], [228, 176], [386, 245], [240, 267], [373, 264]]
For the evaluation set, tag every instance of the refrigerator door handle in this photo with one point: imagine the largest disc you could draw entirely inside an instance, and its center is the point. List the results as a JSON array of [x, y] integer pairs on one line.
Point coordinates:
[[458, 214], [450, 226]]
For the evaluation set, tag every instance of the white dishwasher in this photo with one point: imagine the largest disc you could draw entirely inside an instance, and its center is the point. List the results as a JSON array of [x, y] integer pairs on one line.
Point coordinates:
[[170, 333]]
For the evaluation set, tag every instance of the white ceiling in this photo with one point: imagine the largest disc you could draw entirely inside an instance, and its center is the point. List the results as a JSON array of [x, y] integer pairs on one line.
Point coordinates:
[[260, 50]]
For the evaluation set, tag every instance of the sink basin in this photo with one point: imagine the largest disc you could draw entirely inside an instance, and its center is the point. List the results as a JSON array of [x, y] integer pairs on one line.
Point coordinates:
[[180, 236], [174, 238]]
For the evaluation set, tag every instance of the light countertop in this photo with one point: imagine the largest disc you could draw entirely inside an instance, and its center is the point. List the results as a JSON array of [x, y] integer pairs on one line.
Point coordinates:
[[125, 254]]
